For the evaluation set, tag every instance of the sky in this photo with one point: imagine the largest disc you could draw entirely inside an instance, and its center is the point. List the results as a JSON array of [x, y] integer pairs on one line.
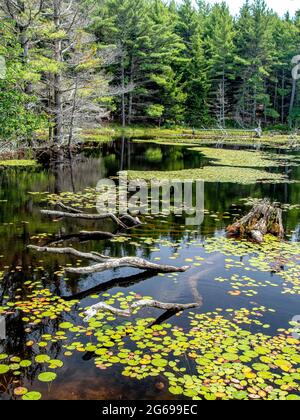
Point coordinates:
[[279, 6]]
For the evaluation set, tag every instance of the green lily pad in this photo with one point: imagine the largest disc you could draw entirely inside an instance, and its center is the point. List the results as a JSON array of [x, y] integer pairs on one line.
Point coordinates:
[[47, 377]]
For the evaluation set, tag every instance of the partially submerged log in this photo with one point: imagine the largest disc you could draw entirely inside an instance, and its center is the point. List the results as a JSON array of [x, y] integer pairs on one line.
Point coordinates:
[[102, 306], [262, 219], [107, 263]]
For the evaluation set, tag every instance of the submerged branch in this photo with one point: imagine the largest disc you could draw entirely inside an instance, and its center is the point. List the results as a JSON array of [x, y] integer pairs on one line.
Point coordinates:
[[84, 216], [108, 263], [177, 307]]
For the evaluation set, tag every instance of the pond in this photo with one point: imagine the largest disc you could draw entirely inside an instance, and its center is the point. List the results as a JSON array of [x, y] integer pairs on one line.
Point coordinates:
[[237, 344]]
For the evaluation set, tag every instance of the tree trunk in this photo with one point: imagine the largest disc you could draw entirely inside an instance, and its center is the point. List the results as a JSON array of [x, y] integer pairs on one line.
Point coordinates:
[[131, 93], [292, 101], [123, 95], [262, 219], [58, 123]]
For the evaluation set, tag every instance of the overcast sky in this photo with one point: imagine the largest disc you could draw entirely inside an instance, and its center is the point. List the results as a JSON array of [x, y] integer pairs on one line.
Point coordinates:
[[279, 6]]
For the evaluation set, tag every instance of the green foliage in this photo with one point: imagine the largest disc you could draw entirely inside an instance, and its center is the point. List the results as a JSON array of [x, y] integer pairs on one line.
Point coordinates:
[[18, 121], [167, 63]]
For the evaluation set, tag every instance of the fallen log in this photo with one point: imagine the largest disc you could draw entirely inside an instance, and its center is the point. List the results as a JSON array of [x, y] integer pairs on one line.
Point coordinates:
[[107, 263], [177, 307], [262, 219]]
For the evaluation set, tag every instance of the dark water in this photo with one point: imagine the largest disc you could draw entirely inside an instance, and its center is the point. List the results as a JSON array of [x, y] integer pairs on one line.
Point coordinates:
[[20, 222]]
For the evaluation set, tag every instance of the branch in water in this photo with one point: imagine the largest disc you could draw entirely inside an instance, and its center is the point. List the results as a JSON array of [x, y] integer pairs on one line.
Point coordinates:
[[84, 216], [108, 263], [93, 310]]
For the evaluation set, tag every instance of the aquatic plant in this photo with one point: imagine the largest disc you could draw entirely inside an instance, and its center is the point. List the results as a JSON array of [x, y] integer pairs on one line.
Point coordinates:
[[213, 174]]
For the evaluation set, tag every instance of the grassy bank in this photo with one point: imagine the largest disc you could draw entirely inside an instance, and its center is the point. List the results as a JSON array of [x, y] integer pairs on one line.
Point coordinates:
[[186, 136]]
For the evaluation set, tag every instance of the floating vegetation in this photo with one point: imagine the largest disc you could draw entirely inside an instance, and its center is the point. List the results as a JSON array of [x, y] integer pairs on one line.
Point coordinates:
[[213, 137], [250, 201], [41, 304], [213, 174], [243, 158], [272, 256], [213, 358], [85, 199]]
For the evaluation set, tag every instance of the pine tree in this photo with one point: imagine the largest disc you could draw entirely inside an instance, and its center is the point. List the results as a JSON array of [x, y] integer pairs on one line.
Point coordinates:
[[221, 56], [143, 32], [256, 49], [193, 66]]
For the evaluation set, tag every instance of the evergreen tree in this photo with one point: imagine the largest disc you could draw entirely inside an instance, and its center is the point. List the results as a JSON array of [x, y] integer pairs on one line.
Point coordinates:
[[193, 66], [221, 55], [143, 32], [256, 49]]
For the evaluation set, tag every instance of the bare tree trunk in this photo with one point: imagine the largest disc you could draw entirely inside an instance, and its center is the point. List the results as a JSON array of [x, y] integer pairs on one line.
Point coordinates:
[[293, 96], [73, 114], [123, 96], [282, 97], [131, 93], [58, 123]]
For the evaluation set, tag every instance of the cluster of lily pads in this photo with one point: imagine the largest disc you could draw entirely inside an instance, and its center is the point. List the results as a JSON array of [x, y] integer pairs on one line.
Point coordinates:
[[85, 199], [213, 358], [273, 255], [40, 304], [226, 174], [244, 158]]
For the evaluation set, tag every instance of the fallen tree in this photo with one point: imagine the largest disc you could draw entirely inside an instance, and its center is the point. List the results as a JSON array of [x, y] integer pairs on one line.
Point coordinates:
[[102, 306], [262, 219], [107, 263]]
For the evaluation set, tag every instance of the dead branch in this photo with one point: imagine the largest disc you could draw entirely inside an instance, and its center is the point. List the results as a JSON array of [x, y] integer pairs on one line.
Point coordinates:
[[84, 216], [177, 307], [107, 263]]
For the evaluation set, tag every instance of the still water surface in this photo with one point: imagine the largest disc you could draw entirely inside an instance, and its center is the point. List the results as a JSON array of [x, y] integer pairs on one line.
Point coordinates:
[[21, 222]]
